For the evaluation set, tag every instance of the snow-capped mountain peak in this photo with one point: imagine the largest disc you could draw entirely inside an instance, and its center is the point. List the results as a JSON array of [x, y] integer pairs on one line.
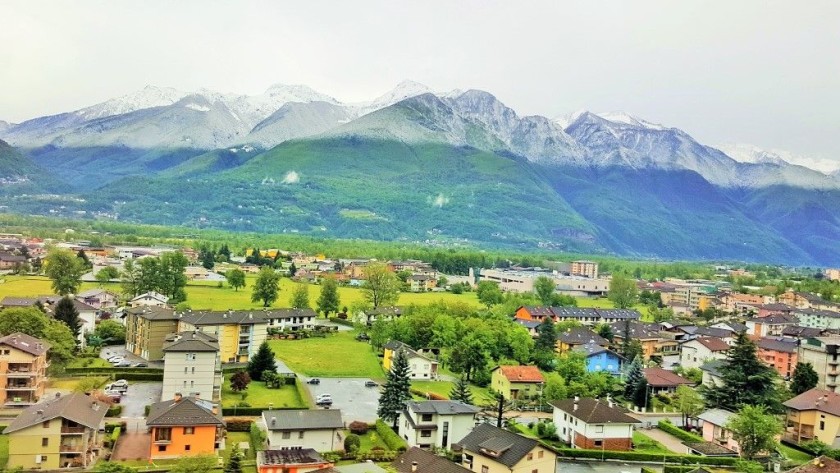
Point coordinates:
[[297, 93], [403, 90], [747, 153], [147, 97], [627, 119]]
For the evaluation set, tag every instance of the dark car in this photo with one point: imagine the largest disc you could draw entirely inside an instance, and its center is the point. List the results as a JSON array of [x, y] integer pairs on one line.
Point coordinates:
[[313, 381], [362, 337], [371, 384]]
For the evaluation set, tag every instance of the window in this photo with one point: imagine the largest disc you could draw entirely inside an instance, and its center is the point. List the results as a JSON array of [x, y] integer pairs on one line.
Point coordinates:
[[189, 430], [45, 442], [300, 434], [540, 454], [192, 383], [193, 370], [46, 424], [599, 429], [163, 435], [5, 351], [530, 456], [822, 425], [427, 418], [485, 469], [287, 435], [599, 443], [425, 433], [187, 448], [190, 356], [535, 470], [161, 448]]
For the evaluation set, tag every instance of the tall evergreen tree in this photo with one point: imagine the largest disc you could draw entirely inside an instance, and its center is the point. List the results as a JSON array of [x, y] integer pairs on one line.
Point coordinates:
[[461, 391], [545, 344], [65, 311], [292, 270], [640, 394], [262, 361], [397, 390], [635, 375], [328, 300], [234, 462], [746, 381], [804, 378]]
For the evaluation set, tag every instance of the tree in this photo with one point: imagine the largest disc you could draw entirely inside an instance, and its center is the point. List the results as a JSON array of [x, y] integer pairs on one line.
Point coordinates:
[[488, 293], [555, 387], [83, 256], [545, 344], [262, 361], [266, 287], [640, 394], [352, 443], [111, 332], [397, 390], [606, 332], [755, 430], [746, 380], [130, 277], [236, 278], [300, 297], [207, 258], [544, 287], [328, 300], [172, 277], [65, 270], [634, 349], [688, 402], [32, 321], [234, 461], [107, 273], [804, 378], [109, 467], [239, 381], [469, 355], [622, 291], [65, 311], [195, 464], [381, 287], [461, 391], [635, 375], [292, 270]]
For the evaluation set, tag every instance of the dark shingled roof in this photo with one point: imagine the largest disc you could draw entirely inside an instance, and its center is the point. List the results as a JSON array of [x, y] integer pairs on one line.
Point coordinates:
[[76, 407], [289, 456], [441, 407], [303, 419], [427, 462], [713, 344], [815, 399], [782, 345], [240, 317], [152, 313], [191, 342], [594, 411], [395, 345], [519, 445], [186, 411], [397, 311], [801, 332], [581, 336], [26, 343], [822, 464], [710, 449]]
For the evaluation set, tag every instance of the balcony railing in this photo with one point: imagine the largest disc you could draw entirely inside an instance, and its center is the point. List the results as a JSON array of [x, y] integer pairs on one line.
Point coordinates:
[[20, 387], [72, 448], [72, 430]]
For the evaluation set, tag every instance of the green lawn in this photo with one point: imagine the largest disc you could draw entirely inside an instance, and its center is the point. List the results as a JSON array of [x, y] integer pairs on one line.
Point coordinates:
[[443, 388], [70, 384], [235, 438], [88, 363], [643, 443], [794, 455], [369, 440], [4, 450], [338, 354], [260, 396]]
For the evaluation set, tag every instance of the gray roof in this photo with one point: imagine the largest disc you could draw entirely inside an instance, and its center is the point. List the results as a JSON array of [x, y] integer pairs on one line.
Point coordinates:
[[780, 344], [241, 317], [191, 341], [303, 419], [290, 313], [580, 336], [9, 301], [76, 407], [441, 407], [592, 349], [594, 411], [519, 446], [27, 343], [152, 313], [712, 367], [716, 416], [289, 456], [395, 345], [710, 449], [427, 462], [186, 411]]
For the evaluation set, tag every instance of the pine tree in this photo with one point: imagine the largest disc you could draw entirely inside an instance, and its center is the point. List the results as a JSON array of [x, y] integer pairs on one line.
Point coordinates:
[[292, 270], [461, 391], [263, 360], [804, 378], [328, 301], [65, 311], [746, 381], [635, 375], [397, 390], [545, 344], [640, 393], [234, 463]]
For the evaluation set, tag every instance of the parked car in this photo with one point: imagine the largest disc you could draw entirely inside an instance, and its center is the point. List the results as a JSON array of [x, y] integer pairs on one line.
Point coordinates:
[[313, 381], [371, 384], [114, 396], [323, 399], [123, 364], [110, 388], [120, 383], [115, 357], [116, 361], [139, 365], [362, 337]]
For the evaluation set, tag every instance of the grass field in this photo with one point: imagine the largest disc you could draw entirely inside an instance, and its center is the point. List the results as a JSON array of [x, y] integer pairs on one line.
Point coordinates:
[[232, 438], [4, 450], [794, 455], [643, 443], [443, 388], [260, 396], [88, 363], [369, 440], [338, 355], [70, 384]]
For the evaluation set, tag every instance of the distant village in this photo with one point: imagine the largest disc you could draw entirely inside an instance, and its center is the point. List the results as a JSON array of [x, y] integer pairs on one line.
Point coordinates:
[[176, 366]]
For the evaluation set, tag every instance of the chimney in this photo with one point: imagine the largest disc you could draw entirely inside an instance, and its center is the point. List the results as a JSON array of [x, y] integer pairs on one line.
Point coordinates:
[[413, 466], [177, 397], [57, 395], [94, 405], [273, 421]]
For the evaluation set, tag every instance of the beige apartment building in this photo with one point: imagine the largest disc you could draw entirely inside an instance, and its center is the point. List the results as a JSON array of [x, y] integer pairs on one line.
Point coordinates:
[[23, 369]]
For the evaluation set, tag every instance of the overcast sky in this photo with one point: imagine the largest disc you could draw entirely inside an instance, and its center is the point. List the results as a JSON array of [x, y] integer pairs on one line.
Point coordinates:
[[760, 72]]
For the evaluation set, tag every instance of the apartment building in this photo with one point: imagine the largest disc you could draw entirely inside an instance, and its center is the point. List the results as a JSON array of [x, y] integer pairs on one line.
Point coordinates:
[[437, 424], [584, 268], [822, 353], [191, 366], [23, 369], [146, 329]]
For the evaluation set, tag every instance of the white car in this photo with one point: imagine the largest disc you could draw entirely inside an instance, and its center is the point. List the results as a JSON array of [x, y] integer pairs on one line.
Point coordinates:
[[114, 357], [120, 383], [116, 361]]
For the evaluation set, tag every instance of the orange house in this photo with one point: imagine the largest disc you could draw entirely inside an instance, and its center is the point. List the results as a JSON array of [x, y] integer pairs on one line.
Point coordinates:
[[537, 314], [183, 427], [778, 352]]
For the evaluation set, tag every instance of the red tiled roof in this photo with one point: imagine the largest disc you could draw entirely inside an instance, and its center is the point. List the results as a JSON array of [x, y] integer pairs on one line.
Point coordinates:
[[816, 399], [713, 344], [657, 377], [522, 374]]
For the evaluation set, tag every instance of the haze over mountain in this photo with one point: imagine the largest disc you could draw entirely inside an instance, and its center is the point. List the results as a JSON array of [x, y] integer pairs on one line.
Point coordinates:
[[422, 165]]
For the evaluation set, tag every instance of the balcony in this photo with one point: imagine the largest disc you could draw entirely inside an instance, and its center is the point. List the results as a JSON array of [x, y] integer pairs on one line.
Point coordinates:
[[73, 449], [20, 401], [20, 387], [65, 429]]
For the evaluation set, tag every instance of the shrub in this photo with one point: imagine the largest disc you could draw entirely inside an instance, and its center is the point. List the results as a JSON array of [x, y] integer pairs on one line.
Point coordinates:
[[238, 424], [667, 426], [645, 456], [352, 443], [391, 439], [357, 427], [257, 438], [114, 411]]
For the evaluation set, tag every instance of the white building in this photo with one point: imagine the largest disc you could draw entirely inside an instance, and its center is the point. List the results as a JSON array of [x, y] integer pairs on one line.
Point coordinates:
[[593, 424], [436, 423], [150, 298], [191, 366], [419, 365], [292, 319], [695, 352], [318, 429]]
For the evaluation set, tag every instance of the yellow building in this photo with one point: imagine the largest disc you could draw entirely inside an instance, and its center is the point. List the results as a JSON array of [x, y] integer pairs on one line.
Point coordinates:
[[146, 329], [813, 415], [240, 332], [23, 369], [62, 432], [517, 382], [489, 449]]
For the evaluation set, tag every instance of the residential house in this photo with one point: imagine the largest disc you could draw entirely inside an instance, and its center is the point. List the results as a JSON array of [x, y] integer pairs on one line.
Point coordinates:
[[822, 353], [61, 432], [534, 313], [436, 424], [818, 318], [731, 326], [715, 431], [585, 316], [420, 366], [191, 366], [318, 429], [98, 298], [663, 381], [600, 358], [291, 460], [800, 333], [780, 353], [88, 316], [530, 325], [383, 313], [421, 283], [647, 334], [800, 300], [240, 332], [417, 460], [695, 352], [775, 308], [9, 261], [23, 369], [292, 319], [517, 382], [770, 325], [146, 329], [489, 449], [578, 336], [184, 426], [150, 298], [585, 268], [593, 424], [813, 415]]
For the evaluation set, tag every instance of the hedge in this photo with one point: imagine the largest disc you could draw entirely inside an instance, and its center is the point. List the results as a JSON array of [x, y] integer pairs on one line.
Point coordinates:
[[648, 470], [238, 424], [302, 392], [110, 426], [391, 439], [346, 322], [677, 432], [252, 411], [114, 411], [677, 469], [111, 369], [645, 456]]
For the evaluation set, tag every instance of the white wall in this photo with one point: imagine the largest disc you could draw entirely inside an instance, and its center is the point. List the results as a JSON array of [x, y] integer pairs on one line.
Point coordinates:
[[320, 440], [199, 377]]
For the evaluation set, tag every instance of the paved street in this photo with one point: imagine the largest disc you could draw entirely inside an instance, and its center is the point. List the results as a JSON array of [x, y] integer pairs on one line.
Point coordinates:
[[669, 441], [139, 396], [356, 401]]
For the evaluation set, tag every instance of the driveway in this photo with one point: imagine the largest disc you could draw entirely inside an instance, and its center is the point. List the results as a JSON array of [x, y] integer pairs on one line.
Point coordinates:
[[139, 396], [669, 441], [112, 350], [356, 401]]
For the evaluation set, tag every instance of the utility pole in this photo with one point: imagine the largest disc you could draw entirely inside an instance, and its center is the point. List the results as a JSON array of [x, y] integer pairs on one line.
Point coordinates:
[[501, 411]]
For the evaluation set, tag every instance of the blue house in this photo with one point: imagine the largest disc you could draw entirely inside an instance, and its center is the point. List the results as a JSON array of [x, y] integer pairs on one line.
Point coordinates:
[[599, 358]]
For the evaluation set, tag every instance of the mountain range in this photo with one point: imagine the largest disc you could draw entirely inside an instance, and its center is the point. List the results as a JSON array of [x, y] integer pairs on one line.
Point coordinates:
[[418, 165]]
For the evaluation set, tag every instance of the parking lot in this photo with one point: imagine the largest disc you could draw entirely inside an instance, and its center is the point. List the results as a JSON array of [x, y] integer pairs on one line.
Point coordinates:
[[139, 396], [356, 401], [112, 350]]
